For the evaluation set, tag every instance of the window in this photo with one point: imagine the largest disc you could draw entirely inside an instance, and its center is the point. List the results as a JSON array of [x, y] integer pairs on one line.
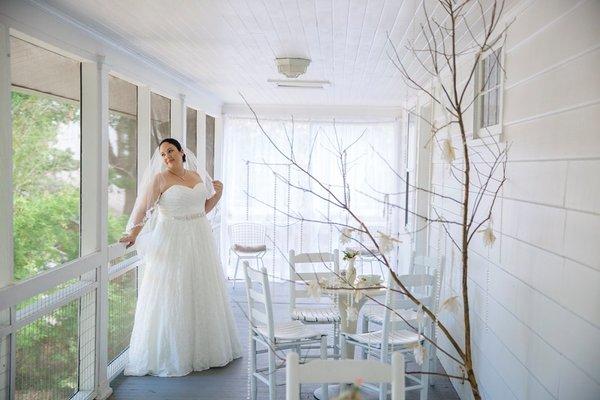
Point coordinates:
[[160, 120], [46, 115], [489, 90], [122, 154], [191, 128], [256, 191]]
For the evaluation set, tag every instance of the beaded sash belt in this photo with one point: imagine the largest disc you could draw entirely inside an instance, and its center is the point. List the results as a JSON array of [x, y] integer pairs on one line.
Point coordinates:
[[185, 217]]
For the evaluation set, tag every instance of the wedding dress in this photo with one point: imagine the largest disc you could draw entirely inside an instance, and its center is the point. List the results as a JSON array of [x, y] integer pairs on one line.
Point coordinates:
[[183, 321]]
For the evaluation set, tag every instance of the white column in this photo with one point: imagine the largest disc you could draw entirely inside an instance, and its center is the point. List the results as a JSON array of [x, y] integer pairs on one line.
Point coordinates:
[[218, 148], [7, 344], [201, 138], [143, 133], [183, 119], [177, 120], [424, 150], [6, 164], [94, 220], [143, 145]]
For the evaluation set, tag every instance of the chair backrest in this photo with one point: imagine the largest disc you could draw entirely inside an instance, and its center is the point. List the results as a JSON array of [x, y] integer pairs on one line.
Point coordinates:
[[247, 234], [334, 371], [298, 279], [260, 306], [425, 287], [425, 264]]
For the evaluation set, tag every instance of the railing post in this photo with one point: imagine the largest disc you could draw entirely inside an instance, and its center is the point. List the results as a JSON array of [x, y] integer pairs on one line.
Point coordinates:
[[7, 345]]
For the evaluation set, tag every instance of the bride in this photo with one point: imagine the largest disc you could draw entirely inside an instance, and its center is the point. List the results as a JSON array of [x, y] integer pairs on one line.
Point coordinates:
[[183, 321]]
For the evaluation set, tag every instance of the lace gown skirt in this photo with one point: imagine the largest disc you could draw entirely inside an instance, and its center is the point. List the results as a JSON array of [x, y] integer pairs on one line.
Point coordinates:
[[183, 320]]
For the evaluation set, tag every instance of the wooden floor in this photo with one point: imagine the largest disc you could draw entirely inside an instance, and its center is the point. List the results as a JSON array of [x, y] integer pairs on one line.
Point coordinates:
[[231, 382]]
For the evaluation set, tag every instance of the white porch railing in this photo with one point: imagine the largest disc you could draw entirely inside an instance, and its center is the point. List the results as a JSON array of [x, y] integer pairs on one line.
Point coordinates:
[[49, 347]]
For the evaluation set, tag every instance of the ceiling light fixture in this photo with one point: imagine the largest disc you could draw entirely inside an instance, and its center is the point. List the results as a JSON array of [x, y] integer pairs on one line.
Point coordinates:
[[292, 67], [288, 83]]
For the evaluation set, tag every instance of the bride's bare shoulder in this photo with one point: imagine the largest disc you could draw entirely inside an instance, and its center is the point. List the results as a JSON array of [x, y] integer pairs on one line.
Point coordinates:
[[160, 179]]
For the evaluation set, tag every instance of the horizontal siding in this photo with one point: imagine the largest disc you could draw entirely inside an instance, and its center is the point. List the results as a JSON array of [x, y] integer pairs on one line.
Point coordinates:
[[534, 294]]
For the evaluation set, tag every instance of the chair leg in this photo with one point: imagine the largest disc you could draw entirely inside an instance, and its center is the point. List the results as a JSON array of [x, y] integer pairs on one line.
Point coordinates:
[[324, 386], [253, 379], [228, 260], [432, 362], [343, 385], [237, 264], [382, 391], [365, 329], [336, 340], [272, 371], [383, 357], [424, 392]]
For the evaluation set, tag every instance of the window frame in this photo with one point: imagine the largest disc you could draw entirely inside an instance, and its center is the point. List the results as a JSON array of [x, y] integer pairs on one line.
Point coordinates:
[[115, 246], [496, 129]]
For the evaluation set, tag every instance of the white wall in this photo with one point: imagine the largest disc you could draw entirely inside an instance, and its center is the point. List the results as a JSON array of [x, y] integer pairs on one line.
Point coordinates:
[[536, 294]]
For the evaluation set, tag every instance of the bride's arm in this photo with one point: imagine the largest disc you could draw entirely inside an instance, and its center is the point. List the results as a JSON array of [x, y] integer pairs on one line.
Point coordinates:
[[148, 201], [212, 202]]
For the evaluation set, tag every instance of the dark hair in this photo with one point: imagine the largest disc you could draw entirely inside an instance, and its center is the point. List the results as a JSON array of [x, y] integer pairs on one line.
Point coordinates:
[[175, 143]]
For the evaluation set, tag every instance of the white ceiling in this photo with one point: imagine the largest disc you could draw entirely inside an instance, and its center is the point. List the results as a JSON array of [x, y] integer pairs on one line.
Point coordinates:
[[229, 46]]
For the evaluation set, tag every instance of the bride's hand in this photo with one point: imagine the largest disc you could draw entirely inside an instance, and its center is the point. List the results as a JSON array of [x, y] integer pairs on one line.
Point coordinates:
[[218, 185], [128, 240]]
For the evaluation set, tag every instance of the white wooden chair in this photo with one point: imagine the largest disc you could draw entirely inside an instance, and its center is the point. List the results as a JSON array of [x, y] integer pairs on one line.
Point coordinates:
[[326, 314], [370, 255], [381, 343], [329, 371], [248, 242], [374, 314], [274, 337], [426, 265]]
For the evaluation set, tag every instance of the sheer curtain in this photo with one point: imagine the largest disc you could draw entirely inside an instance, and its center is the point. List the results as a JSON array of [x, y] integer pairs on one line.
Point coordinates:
[[256, 180]]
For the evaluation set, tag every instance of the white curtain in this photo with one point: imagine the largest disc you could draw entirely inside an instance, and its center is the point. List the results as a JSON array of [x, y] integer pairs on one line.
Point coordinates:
[[260, 193]]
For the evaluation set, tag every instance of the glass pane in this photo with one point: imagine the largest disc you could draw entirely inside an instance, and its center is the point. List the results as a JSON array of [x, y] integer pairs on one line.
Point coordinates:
[[46, 131], [487, 109], [482, 110], [191, 129], [122, 155], [210, 145], [485, 74], [497, 69], [122, 297], [493, 120], [160, 120], [47, 357]]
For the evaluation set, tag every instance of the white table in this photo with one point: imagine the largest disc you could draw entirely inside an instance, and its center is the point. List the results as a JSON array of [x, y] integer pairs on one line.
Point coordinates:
[[345, 296]]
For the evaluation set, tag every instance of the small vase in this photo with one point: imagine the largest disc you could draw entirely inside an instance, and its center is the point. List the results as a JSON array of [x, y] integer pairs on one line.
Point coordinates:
[[351, 271]]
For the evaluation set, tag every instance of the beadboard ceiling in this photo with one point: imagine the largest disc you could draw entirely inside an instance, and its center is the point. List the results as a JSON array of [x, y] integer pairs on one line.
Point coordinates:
[[230, 46]]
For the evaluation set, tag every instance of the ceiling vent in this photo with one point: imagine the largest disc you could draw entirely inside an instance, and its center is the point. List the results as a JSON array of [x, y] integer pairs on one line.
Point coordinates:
[[292, 67], [289, 83]]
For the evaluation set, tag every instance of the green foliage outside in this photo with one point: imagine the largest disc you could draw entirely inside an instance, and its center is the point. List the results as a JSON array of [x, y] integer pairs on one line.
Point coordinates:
[[47, 233], [122, 295], [46, 206]]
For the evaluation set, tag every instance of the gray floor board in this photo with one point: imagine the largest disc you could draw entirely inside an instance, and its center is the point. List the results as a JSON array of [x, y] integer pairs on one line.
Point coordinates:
[[231, 382]]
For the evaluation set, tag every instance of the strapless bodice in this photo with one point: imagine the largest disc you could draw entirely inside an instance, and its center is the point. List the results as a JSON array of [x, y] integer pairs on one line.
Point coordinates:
[[181, 201]]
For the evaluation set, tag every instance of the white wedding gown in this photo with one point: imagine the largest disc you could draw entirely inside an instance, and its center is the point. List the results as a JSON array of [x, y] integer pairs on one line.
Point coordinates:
[[183, 321]]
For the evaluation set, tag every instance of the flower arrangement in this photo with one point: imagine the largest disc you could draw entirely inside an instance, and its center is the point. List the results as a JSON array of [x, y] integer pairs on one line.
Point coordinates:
[[350, 254]]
